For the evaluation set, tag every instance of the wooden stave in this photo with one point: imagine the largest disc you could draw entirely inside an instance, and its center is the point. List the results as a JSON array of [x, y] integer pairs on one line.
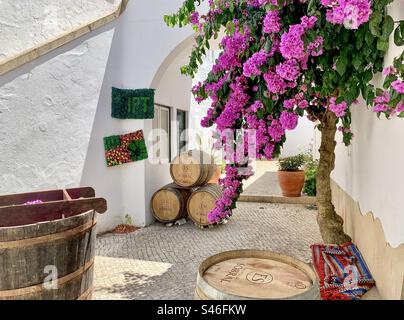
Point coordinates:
[[78, 288], [183, 198], [210, 171], [42, 228], [202, 177], [209, 168], [212, 189], [199, 295], [204, 291], [48, 243], [215, 189]]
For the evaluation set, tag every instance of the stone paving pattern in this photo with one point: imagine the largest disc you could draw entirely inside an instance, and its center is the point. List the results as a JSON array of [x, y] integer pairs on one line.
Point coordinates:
[[160, 262]]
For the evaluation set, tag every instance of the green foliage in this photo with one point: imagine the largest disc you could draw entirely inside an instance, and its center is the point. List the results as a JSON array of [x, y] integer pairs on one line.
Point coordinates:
[[310, 169], [125, 148], [399, 34], [310, 182], [294, 163], [128, 220], [111, 142], [132, 104], [138, 150], [181, 18]]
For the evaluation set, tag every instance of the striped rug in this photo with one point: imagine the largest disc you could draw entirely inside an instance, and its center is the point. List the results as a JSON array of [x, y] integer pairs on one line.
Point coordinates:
[[342, 271]]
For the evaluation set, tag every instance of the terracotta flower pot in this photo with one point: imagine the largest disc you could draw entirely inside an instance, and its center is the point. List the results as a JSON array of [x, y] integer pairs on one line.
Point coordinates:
[[291, 183], [216, 175]]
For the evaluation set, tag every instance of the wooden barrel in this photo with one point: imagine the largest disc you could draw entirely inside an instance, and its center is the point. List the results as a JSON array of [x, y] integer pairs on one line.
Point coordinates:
[[169, 203], [48, 260], [202, 201], [193, 168], [255, 275]]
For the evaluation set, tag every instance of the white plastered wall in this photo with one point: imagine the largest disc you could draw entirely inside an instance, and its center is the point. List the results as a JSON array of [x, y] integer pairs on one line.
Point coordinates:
[[371, 170], [137, 53], [47, 107]]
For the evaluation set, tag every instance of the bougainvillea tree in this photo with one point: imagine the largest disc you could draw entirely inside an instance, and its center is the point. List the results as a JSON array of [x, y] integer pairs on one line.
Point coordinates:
[[285, 59]]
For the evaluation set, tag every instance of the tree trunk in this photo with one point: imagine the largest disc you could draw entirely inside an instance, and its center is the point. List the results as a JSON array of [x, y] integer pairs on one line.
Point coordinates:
[[331, 224]]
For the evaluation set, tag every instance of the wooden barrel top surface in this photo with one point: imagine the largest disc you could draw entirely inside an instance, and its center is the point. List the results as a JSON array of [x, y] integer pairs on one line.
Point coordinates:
[[251, 274], [192, 168], [186, 170], [166, 205]]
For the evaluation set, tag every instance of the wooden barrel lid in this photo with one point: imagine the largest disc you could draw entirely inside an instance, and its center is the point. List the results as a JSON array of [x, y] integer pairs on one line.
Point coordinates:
[[252, 274], [201, 202], [186, 170], [166, 205]]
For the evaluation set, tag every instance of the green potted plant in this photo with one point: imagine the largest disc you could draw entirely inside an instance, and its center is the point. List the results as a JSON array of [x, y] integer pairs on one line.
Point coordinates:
[[291, 175]]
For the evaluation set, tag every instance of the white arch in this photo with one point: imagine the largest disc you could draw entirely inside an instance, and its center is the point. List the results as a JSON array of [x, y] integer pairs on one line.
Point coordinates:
[[184, 46]]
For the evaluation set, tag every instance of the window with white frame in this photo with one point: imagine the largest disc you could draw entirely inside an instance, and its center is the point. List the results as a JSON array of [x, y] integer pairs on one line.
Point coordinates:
[[162, 132], [182, 139]]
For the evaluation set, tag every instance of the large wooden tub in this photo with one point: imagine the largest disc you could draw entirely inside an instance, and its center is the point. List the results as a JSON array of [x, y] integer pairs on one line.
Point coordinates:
[[47, 249], [255, 275]]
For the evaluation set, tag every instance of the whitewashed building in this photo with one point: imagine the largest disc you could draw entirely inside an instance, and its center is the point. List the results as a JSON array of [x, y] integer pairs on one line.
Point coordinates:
[[58, 62]]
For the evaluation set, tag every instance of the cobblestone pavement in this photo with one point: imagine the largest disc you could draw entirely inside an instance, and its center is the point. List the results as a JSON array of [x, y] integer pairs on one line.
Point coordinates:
[[160, 262]]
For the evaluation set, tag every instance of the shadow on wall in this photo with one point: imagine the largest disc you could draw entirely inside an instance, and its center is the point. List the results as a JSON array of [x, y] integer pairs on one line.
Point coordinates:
[[46, 111], [95, 171]]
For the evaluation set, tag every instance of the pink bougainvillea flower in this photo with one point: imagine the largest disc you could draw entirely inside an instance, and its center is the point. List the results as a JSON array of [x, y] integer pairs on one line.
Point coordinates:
[[399, 107], [398, 85], [350, 13], [292, 45], [272, 22], [288, 70], [338, 108], [380, 108], [268, 74], [289, 120], [194, 18], [275, 83], [384, 98], [252, 66], [256, 106], [389, 71], [276, 131]]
